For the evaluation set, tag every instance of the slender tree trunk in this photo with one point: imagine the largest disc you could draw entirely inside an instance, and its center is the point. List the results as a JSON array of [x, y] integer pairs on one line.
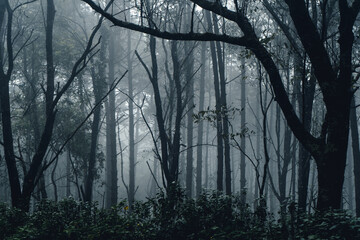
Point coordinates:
[[29, 179], [31, 96], [111, 153], [243, 125], [175, 150], [312, 202], [131, 195], [199, 154], [258, 147], [283, 170], [68, 174], [154, 178], [189, 58], [207, 161], [99, 80], [224, 114], [219, 137], [305, 101], [169, 151], [91, 168], [356, 154], [164, 155], [349, 178], [293, 172], [53, 180], [6, 118]]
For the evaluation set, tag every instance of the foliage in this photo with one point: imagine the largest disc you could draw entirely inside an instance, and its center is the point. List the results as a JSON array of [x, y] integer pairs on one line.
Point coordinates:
[[171, 216], [211, 114], [335, 224]]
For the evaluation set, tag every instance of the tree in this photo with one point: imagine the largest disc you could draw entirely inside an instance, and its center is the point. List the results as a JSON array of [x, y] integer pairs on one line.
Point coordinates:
[[20, 195], [99, 83], [111, 156], [189, 78], [169, 150], [219, 127], [335, 79], [242, 140], [356, 153], [199, 153]]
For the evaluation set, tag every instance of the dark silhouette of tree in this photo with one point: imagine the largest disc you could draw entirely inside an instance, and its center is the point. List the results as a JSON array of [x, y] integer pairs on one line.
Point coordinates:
[[20, 195], [356, 154], [200, 132], [335, 80], [98, 77], [111, 153]]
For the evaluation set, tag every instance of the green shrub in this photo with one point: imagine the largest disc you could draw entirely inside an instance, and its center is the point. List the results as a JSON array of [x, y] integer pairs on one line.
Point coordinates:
[[11, 219], [334, 224], [171, 216]]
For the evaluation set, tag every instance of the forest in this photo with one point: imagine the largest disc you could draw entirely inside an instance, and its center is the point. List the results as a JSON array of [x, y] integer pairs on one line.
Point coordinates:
[[179, 119]]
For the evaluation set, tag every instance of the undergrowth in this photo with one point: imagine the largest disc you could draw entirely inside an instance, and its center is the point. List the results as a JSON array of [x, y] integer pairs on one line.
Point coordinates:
[[211, 216]]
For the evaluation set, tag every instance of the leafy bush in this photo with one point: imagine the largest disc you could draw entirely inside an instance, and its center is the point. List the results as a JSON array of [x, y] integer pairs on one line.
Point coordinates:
[[10, 220], [334, 224], [171, 216]]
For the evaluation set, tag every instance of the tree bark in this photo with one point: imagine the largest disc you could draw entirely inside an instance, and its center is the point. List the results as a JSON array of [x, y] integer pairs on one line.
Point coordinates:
[[111, 153], [98, 79], [242, 140], [356, 154], [219, 131], [68, 174], [131, 194], [224, 109], [199, 154], [189, 69]]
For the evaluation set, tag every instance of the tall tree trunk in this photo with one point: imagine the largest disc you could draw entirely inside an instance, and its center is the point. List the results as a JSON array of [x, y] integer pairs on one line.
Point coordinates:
[[258, 147], [99, 81], [199, 154], [175, 149], [356, 154], [224, 113], [283, 170], [29, 179], [305, 102], [189, 69], [31, 96], [169, 151], [243, 125], [6, 113], [131, 194], [219, 131], [207, 161], [91, 167], [111, 154]]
